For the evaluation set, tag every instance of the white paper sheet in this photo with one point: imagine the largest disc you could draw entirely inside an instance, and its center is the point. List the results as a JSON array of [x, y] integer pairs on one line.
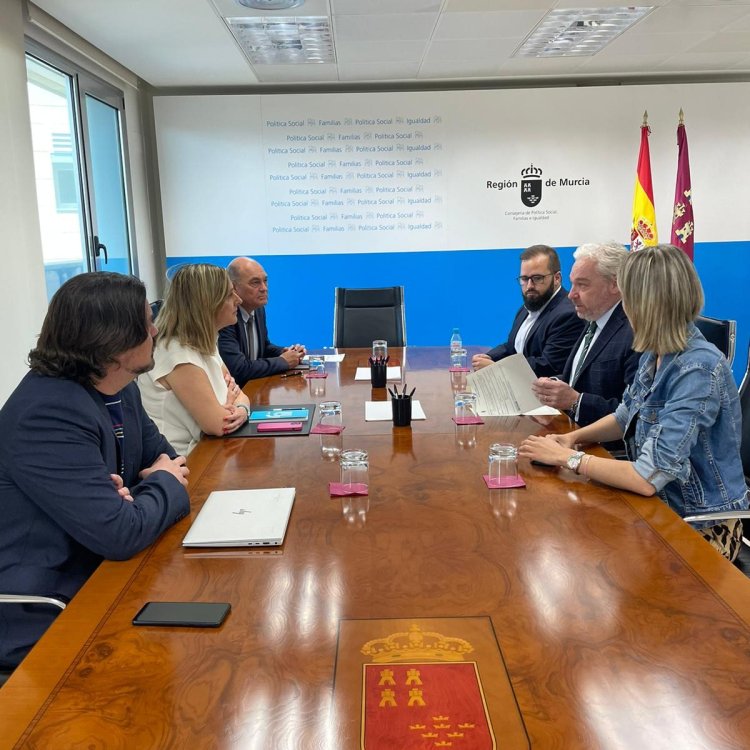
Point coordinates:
[[504, 389], [327, 357], [392, 373], [381, 411]]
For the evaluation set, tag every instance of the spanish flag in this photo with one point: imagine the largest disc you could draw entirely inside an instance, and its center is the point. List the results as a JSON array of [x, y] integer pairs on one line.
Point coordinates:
[[682, 216], [643, 231]]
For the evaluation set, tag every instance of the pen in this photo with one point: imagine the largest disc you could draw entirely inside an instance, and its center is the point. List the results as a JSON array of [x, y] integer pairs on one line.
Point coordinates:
[[291, 374]]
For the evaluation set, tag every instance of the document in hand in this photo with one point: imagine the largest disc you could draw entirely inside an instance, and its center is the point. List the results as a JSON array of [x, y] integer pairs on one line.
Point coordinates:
[[504, 389]]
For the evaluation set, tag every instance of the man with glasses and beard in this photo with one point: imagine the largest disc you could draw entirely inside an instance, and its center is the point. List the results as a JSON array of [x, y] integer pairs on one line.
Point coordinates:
[[84, 473], [546, 327]]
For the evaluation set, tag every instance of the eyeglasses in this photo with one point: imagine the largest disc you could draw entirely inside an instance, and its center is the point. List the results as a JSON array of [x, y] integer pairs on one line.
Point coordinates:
[[536, 279]]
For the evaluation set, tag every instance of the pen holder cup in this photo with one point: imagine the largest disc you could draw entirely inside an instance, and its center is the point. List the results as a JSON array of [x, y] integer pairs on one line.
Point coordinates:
[[401, 411], [378, 374]]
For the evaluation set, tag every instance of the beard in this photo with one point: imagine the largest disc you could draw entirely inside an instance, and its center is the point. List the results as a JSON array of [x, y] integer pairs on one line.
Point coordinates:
[[537, 302], [145, 368]]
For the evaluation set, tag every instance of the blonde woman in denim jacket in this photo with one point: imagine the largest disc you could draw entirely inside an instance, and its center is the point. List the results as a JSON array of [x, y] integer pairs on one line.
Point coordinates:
[[680, 418]]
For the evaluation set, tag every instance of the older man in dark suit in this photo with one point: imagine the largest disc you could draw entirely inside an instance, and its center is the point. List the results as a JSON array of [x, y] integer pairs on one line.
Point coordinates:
[[546, 327], [602, 362], [245, 347], [84, 473]]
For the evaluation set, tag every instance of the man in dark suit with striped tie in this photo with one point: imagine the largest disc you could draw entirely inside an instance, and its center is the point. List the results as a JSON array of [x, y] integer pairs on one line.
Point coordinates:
[[602, 362], [245, 347]]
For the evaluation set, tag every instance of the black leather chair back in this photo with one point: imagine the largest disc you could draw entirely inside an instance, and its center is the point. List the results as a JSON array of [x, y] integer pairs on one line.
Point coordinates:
[[363, 315], [721, 333]]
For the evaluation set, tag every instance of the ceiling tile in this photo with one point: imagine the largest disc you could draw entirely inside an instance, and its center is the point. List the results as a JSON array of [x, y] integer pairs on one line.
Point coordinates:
[[178, 42], [486, 6], [378, 71], [232, 9], [372, 7], [512, 24], [541, 66], [385, 26], [454, 69], [721, 61], [621, 64], [492, 50], [347, 52], [651, 44], [689, 18], [725, 42], [297, 73]]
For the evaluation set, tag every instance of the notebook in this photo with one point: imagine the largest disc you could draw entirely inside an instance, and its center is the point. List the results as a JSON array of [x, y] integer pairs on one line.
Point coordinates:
[[242, 518]]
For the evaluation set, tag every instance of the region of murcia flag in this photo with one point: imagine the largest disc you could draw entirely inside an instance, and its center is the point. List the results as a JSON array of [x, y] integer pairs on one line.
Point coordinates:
[[683, 224], [416, 706], [643, 231]]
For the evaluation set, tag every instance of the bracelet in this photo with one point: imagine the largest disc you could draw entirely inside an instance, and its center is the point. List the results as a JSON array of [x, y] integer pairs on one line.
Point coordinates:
[[585, 465], [246, 408]]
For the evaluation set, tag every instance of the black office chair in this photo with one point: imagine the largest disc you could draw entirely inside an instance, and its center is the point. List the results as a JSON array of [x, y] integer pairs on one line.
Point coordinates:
[[743, 559], [362, 315], [25, 599], [155, 307], [721, 333]]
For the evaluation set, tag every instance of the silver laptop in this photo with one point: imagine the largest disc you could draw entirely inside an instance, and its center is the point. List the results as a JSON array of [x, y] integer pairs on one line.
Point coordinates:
[[242, 518]]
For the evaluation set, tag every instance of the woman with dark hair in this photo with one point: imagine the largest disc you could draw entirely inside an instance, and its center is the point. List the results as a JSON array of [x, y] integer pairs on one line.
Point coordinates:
[[680, 418], [189, 391]]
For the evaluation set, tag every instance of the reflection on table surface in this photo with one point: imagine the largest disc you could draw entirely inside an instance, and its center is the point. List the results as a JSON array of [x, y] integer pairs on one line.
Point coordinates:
[[616, 625]]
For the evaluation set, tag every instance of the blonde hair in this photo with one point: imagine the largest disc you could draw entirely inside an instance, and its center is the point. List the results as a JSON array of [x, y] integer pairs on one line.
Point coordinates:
[[188, 314], [661, 295]]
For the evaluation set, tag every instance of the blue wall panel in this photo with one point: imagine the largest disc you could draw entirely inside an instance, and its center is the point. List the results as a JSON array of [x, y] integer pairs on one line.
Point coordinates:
[[472, 289]]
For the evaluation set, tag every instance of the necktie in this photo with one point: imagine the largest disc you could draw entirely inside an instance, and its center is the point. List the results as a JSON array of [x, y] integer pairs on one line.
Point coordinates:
[[251, 353], [590, 331], [114, 407]]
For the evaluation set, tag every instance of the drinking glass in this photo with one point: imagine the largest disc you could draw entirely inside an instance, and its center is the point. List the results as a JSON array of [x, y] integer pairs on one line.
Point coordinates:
[[354, 468], [502, 461], [379, 349], [465, 405]]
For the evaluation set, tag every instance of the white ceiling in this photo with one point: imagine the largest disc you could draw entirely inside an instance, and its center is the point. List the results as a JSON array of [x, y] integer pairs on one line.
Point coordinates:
[[185, 43]]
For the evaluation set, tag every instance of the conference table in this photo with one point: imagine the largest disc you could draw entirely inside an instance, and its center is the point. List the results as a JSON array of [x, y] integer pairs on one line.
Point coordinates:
[[432, 612]]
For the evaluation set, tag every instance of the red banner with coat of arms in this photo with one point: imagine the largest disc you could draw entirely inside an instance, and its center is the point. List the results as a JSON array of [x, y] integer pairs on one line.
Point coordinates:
[[417, 706]]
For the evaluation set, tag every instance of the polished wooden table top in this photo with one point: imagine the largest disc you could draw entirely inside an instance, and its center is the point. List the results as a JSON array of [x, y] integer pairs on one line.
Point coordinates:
[[617, 625]]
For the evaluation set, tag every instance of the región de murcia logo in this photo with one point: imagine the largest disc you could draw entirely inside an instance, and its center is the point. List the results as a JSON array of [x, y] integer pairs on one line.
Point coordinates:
[[531, 186]]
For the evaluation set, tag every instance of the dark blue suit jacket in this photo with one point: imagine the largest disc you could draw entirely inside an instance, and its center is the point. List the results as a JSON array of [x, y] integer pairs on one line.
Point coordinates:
[[61, 514], [232, 348], [550, 339], [609, 367]]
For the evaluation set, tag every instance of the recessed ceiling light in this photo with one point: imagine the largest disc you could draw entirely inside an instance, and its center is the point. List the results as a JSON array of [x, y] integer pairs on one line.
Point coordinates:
[[280, 40], [576, 32], [271, 4]]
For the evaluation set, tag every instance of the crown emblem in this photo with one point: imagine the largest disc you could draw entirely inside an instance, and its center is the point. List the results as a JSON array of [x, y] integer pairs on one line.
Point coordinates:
[[415, 646], [531, 173]]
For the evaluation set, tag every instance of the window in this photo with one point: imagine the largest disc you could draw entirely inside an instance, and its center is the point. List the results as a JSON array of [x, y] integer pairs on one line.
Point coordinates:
[[77, 126]]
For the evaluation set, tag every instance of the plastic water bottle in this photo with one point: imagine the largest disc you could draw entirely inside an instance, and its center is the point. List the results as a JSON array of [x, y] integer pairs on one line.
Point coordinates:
[[456, 343]]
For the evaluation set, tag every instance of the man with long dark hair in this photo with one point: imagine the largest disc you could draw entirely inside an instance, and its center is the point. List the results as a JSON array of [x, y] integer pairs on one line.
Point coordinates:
[[84, 473]]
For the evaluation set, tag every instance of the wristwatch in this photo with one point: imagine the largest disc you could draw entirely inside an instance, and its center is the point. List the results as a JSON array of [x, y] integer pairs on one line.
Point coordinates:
[[573, 408], [574, 461]]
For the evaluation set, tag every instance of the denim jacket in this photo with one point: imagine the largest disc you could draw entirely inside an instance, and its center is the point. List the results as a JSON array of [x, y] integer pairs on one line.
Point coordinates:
[[683, 428]]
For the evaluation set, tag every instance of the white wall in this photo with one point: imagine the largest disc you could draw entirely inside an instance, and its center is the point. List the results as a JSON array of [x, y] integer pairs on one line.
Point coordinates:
[[394, 172], [22, 289], [23, 300]]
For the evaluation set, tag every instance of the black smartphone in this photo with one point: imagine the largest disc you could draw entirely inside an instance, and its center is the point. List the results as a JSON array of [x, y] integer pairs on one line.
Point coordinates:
[[183, 614]]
